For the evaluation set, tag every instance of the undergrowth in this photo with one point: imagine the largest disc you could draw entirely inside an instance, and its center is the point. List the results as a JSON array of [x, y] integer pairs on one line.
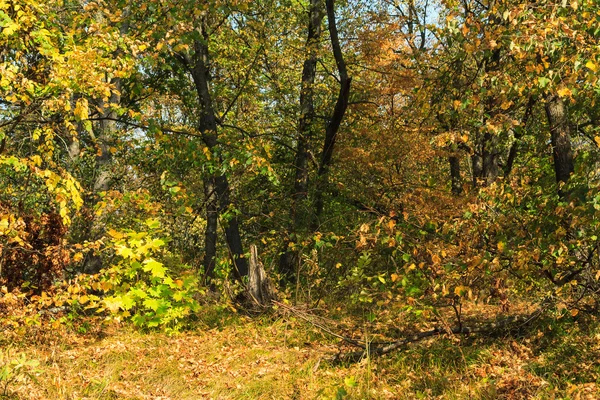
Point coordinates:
[[227, 355]]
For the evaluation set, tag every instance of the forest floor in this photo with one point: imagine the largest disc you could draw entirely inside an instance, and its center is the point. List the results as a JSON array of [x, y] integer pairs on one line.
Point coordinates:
[[238, 357]]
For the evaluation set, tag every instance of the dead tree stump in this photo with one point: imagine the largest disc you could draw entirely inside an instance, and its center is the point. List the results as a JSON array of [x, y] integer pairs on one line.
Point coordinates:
[[260, 288]]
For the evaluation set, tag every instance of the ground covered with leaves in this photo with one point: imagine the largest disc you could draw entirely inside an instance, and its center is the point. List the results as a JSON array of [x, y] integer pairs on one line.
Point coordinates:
[[230, 356]]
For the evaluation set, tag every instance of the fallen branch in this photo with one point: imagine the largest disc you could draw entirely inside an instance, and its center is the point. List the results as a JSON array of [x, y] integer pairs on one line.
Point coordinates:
[[304, 316], [378, 350]]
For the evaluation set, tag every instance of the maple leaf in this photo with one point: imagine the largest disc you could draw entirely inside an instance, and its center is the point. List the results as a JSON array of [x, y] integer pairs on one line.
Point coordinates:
[[155, 268]]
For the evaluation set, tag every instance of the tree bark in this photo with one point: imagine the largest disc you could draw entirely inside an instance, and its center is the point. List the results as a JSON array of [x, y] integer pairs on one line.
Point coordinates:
[[217, 190], [490, 158], [105, 139], [512, 153], [289, 258], [338, 113], [260, 288], [455, 175], [560, 137]]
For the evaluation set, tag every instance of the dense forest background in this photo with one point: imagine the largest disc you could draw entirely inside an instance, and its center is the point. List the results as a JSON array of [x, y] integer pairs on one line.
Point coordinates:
[[417, 168]]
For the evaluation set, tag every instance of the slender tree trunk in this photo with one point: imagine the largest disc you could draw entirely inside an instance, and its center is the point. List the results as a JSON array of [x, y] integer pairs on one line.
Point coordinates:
[[490, 158], [108, 125], [212, 223], [217, 190], [512, 153], [455, 175], [289, 258], [105, 140], [560, 137], [338, 113], [486, 170]]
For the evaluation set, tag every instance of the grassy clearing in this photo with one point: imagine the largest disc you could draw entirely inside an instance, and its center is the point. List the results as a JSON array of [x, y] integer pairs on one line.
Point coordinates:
[[243, 358]]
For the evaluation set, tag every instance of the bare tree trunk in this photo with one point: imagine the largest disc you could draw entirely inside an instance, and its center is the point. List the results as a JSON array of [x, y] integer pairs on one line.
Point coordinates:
[[560, 137], [490, 158], [455, 175], [338, 113], [476, 168], [217, 190], [211, 231], [289, 258], [105, 140], [108, 125], [512, 153]]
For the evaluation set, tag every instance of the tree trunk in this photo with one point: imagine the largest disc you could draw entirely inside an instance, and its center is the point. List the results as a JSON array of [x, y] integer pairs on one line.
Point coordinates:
[[289, 258], [455, 175], [260, 289], [105, 140], [338, 113], [560, 137], [217, 190], [212, 222], [512, 153], [490, 158]]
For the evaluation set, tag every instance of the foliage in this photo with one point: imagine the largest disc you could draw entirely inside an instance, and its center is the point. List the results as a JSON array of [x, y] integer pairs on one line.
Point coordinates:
[[140, 288], [15, 369], [144, 146]]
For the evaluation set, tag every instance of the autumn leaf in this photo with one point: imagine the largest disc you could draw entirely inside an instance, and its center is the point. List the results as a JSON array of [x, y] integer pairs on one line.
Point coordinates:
[[155, 268], [592, 66]]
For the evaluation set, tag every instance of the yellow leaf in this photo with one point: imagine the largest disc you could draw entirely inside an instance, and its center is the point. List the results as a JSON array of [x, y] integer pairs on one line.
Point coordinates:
[[81, 109], [575, 4], [590, 64], [461, 290], [564, 92], [597, 140], [394, 277]]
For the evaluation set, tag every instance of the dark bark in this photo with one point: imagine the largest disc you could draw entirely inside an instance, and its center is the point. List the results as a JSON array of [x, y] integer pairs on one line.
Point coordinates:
[[289, 258], [338, 113], [476, 168], [490, 158], [560, 137], [455, 175], [307, 111], [514, 148], [217, 190], [486, 169], [212, 222]]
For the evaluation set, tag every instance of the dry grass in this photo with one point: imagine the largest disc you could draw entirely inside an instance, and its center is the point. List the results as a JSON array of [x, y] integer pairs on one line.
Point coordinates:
[[286, 359]]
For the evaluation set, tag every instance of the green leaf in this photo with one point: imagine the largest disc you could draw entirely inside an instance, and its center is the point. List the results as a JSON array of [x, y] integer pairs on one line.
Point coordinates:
[[153, 223], [350, 381], [155, 268], [153, 304], [543, 82], [127, 302], [113, 304]]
